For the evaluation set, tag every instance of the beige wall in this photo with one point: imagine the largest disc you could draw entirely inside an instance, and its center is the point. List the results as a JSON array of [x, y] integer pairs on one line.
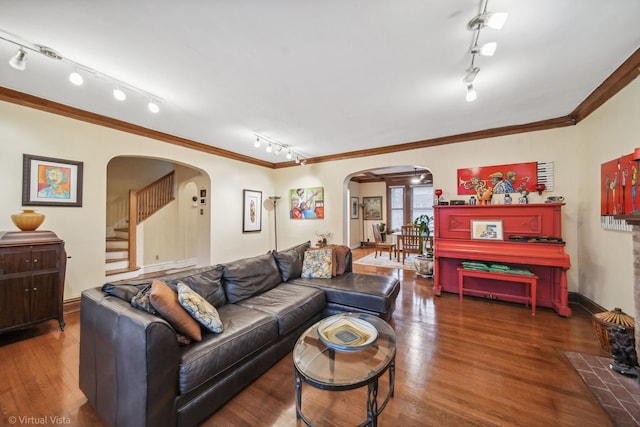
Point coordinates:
[[24, 130], [601, 260], [606, 256]]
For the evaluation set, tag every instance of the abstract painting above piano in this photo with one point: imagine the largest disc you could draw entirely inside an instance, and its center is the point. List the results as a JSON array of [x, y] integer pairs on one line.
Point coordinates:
[[511, 178], [453, 244]]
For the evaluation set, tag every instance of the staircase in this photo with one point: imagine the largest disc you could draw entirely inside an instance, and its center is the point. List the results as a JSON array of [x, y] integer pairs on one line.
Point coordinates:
[[120, 256], [117, 256]]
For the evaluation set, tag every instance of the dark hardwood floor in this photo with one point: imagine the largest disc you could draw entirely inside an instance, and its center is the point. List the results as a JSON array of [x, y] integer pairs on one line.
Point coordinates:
[[479, 363]]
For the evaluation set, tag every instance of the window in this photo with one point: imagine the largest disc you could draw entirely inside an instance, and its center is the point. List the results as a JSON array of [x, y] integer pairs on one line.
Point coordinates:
[[406, 203], [396, 198], [421, 201]]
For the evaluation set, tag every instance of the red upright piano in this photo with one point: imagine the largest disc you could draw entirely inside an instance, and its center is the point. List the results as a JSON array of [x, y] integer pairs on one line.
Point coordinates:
[[532, 239]]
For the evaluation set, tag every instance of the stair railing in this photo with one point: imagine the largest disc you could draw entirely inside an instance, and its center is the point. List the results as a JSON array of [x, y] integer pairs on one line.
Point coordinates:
[[144, 203]]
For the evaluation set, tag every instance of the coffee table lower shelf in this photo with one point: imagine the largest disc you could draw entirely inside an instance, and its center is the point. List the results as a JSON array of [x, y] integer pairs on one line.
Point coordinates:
[[373, 409]]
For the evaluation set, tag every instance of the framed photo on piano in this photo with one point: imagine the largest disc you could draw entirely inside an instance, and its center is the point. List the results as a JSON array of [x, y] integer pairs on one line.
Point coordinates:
[[486, 229]]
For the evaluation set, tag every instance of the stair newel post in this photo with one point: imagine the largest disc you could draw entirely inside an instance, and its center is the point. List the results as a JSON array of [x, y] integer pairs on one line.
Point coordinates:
[[133, 222]]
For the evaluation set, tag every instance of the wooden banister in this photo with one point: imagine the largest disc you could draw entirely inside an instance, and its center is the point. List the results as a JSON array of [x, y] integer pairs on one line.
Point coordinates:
[[144, 203]]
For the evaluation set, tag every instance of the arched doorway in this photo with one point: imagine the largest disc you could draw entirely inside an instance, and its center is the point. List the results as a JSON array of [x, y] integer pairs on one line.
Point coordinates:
[[176, 235], [406, 191]]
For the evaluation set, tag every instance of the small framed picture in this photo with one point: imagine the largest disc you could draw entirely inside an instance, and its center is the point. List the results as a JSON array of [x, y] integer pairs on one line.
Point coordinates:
[[252, 211], [486, 229], [354, 208], [51, 182]]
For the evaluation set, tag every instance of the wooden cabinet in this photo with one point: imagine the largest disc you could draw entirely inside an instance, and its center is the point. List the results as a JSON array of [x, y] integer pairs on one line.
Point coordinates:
[[32, 270]]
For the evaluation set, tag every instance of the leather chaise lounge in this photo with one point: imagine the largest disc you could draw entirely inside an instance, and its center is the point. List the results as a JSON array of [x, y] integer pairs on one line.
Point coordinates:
[[134, 371]]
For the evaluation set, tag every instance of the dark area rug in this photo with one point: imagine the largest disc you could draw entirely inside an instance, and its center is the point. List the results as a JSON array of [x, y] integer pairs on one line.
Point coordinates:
[[618, 395]]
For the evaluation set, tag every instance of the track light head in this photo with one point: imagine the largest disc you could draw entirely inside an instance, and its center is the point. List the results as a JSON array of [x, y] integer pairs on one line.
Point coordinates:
[[289, 155], [153, 106], [269, 148], [257, 143], [487, 49], [76, 78], [303, 162], [119, 94], [471, 93], [19, 61], [486, 19], [471, 75]]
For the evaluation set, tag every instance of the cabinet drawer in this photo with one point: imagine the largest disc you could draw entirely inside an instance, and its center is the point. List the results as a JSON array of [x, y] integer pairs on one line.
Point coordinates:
[[14, 260]]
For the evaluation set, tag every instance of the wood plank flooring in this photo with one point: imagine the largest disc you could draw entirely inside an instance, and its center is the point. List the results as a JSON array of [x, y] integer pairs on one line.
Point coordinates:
[[476, 363]]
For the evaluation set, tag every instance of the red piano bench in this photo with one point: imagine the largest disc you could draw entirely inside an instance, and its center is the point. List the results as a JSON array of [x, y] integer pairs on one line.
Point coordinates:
[[532, 281]]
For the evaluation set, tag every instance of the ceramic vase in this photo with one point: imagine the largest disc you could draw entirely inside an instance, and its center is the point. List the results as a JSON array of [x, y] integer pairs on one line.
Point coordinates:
[[424, 265], [27, 220]]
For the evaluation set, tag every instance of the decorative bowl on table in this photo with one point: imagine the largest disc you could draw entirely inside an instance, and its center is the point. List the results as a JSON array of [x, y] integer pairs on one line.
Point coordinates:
[[347, 333]]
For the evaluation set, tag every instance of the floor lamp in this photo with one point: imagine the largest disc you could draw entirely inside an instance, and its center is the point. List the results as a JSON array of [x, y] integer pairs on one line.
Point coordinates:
[[362, 243], [274, 200]]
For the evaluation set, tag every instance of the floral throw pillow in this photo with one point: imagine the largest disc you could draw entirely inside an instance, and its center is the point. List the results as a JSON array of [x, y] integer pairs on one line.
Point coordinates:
[[199, 308], [317, 264]]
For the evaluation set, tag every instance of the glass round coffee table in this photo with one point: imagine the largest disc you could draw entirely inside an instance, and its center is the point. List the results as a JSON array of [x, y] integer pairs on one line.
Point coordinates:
[[344, 352]]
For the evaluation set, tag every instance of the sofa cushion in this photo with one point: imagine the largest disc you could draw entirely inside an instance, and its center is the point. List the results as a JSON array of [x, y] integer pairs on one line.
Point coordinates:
[[341, 258], [292, 305], [165, 301], [245, 332], [206, 281], [142, 300], [199, 308], [318, 263], [124, 291], [250, 276], [365, 291], [290, 260]]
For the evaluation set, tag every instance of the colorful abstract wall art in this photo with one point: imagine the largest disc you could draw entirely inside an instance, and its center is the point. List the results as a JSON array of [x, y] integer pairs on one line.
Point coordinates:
[[499, 179], [306, 203]]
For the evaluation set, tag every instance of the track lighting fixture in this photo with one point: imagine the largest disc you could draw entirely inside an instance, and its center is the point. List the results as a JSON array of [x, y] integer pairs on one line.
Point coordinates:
[[484, 19], [277, 147], [119, 95], [18, 61], [487, 49], [471, 75], [153, 106], [76, 78], [471, 93], [415, 179]]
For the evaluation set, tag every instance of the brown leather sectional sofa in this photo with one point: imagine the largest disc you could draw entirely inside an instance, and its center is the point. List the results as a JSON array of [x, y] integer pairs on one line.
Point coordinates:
[[135, 373]]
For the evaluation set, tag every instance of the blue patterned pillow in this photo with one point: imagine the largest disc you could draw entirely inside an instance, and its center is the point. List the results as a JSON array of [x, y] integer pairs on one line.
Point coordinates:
[[199, 308], [317, 264]]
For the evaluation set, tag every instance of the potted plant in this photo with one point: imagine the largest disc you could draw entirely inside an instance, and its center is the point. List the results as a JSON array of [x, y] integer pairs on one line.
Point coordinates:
[[424, 262], [383, 233]]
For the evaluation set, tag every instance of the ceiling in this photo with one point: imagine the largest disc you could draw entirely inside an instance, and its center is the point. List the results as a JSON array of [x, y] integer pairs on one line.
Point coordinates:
[[324, 77]]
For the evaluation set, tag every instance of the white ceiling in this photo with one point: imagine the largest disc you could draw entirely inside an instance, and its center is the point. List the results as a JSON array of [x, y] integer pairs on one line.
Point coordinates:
[[324, 76]]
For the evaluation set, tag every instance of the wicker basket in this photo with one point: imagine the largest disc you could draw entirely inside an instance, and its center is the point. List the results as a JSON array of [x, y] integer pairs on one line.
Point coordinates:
[[602, 321]]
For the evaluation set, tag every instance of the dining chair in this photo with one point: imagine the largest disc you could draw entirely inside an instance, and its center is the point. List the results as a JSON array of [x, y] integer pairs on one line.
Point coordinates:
[[410, 240], [380, 245]]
